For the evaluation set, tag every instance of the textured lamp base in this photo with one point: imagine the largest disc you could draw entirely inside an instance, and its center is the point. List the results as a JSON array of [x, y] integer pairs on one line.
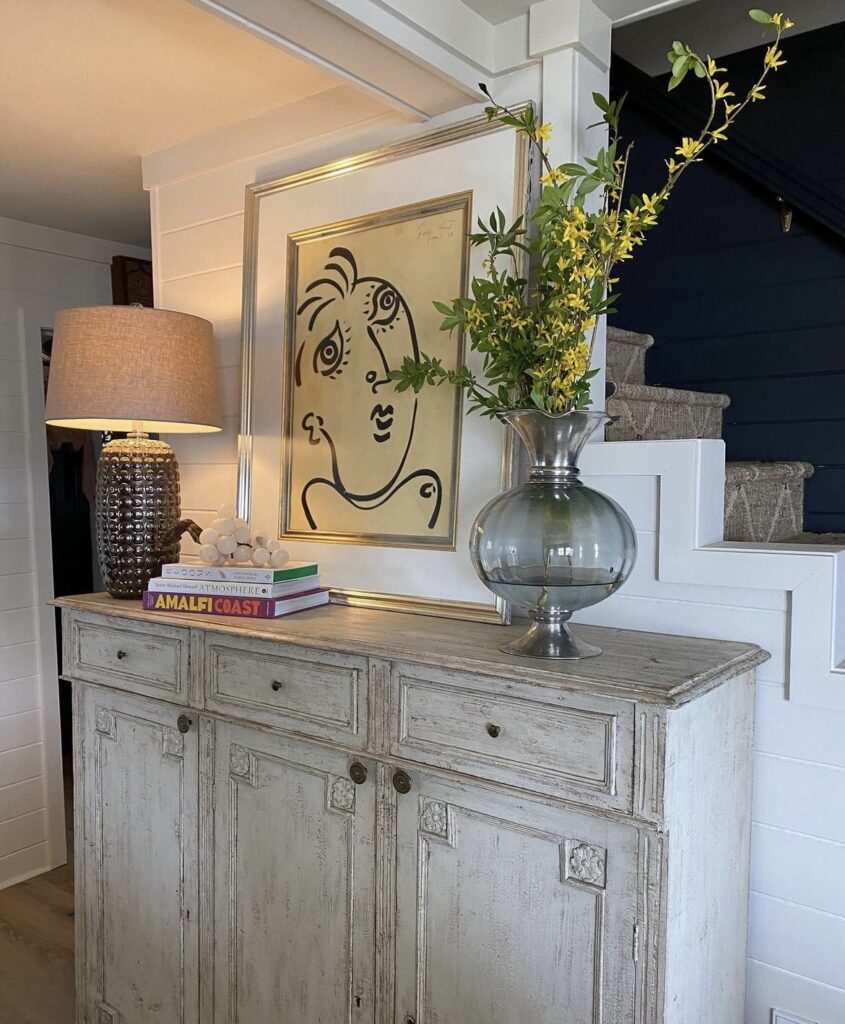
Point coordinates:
[[137, 512], [551, 639]]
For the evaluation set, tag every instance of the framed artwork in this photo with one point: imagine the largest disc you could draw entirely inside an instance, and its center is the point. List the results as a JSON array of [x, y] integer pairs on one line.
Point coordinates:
[[364, 463], [342, 266]]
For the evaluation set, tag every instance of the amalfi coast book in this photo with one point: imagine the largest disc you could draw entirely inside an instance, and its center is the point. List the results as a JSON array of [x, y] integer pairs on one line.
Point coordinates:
[[242, 607]]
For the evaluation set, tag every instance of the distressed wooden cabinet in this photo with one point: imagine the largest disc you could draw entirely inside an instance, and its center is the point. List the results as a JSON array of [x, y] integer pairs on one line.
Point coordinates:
[[359, 817]]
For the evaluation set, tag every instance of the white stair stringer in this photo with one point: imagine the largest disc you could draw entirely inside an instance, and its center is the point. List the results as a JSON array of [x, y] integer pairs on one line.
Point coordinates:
[[689, 550]]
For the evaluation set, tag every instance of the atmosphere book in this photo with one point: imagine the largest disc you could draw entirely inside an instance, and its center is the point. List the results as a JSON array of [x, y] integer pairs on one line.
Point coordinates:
[[241, 607], [220, 587], [195, 570]]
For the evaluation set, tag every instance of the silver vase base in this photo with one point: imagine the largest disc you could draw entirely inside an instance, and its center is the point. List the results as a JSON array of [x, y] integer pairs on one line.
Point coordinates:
[[550, 640]]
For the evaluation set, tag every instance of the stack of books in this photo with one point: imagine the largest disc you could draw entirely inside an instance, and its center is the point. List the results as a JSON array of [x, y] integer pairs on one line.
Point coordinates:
[[241, 590]]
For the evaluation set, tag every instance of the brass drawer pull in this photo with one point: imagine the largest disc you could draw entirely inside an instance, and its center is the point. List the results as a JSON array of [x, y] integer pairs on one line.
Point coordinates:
[[358, 773], [183, 723], [277, 684], [493, 730], [401, 781], [121, 655]]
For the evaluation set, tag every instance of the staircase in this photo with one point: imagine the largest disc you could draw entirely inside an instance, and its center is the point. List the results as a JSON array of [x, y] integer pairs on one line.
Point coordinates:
[[764, 501]]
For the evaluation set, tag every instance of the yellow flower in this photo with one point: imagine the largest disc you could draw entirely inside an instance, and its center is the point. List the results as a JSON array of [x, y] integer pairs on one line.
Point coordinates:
[[782, 22], [723, 90], [689, 148], [475, 317], [718, 134], [758, 93], [712, 69], [554, 177], [730, 108], [773, 58], [650, 202], [672, 166], [543, 131]]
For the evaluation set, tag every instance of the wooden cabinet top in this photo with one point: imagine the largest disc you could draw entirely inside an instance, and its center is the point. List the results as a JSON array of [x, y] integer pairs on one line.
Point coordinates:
[[650, 667]]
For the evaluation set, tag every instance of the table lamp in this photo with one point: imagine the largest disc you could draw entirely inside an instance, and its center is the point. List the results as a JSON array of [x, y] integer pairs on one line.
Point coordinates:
[[130, 368]]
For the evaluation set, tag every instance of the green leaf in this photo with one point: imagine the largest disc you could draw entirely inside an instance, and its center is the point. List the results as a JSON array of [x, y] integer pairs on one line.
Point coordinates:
[[675, 81], [601, 102], [760, 16], [698, 68], [680, 65]]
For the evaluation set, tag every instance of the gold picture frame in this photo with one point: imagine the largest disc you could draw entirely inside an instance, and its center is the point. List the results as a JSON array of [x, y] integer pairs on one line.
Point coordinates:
[[432, 579], [439, 227]]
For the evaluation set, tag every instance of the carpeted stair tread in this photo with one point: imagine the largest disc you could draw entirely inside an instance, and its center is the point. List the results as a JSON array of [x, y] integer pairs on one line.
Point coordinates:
[[835, 540], [646, 413], [626, 355], [764, 501], [743, 471]]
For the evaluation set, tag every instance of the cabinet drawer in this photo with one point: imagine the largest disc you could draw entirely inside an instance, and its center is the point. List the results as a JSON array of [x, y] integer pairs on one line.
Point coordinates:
[[130, 656], [322, 695], [569, 745]]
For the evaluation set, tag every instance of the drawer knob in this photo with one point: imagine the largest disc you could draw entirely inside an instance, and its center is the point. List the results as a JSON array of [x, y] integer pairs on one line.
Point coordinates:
[[493, 730], [121, 655], [277, 684], [183, 723], [358, 773], [401, 781]]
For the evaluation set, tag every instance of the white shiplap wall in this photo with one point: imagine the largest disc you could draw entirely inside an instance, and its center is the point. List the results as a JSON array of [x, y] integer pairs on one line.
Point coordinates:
[[41, 271], [796, 953], [796, 944]]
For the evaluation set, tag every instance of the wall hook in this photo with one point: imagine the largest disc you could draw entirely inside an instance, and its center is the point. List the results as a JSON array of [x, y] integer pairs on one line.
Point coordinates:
[[785, 214]]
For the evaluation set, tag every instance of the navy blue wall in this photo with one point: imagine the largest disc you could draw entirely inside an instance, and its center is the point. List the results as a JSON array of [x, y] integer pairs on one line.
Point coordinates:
[[737, 306]]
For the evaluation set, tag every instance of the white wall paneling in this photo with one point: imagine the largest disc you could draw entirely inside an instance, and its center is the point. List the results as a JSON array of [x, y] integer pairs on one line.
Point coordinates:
[[41, 270], [789, 600]]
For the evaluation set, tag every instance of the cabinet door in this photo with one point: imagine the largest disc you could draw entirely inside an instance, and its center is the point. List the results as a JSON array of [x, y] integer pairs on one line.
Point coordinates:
[[510, 912], [137, 778], [294, 882]]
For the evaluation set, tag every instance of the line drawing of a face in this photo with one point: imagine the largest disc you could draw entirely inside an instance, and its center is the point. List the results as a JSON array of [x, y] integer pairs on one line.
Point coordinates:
[[351, 331]]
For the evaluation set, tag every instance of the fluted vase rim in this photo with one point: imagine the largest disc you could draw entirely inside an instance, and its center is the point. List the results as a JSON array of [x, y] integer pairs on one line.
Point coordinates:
[[597, 413]]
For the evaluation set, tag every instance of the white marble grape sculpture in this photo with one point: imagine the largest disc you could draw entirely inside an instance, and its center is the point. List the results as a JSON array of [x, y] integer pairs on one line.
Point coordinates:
[[229, 541]]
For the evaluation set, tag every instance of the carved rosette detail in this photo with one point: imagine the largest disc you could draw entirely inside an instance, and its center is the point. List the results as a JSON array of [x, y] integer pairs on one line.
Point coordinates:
[[240, 761], [172, 743], [584, 863], [342, 794], [105, 722], [434, 819]]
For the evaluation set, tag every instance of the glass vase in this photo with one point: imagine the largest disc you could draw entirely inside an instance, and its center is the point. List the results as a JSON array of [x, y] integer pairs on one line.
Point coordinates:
[[552, 545]]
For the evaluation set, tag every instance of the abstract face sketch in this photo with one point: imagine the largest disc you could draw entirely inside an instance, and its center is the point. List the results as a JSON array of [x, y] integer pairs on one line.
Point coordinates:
[[366, 462]]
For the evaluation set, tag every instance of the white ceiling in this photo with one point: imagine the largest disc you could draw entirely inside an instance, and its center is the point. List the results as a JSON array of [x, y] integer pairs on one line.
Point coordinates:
[[88, 86]]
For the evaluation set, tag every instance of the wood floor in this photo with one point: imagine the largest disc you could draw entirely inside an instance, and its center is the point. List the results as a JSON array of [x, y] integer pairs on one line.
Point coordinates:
[[36, 946]]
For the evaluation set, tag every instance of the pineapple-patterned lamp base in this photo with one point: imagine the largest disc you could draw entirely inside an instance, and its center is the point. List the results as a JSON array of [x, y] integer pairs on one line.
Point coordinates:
[[137, 512]]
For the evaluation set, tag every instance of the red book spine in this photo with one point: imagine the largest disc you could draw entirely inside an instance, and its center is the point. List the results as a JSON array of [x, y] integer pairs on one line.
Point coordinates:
[[213, 604]]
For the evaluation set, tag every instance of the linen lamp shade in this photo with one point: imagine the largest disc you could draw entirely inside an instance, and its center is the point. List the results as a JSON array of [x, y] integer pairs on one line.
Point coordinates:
[[115, 367]]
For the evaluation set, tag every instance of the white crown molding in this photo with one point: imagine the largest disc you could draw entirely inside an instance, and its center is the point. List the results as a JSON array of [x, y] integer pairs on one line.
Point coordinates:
[[426, 58], [691, 551]]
